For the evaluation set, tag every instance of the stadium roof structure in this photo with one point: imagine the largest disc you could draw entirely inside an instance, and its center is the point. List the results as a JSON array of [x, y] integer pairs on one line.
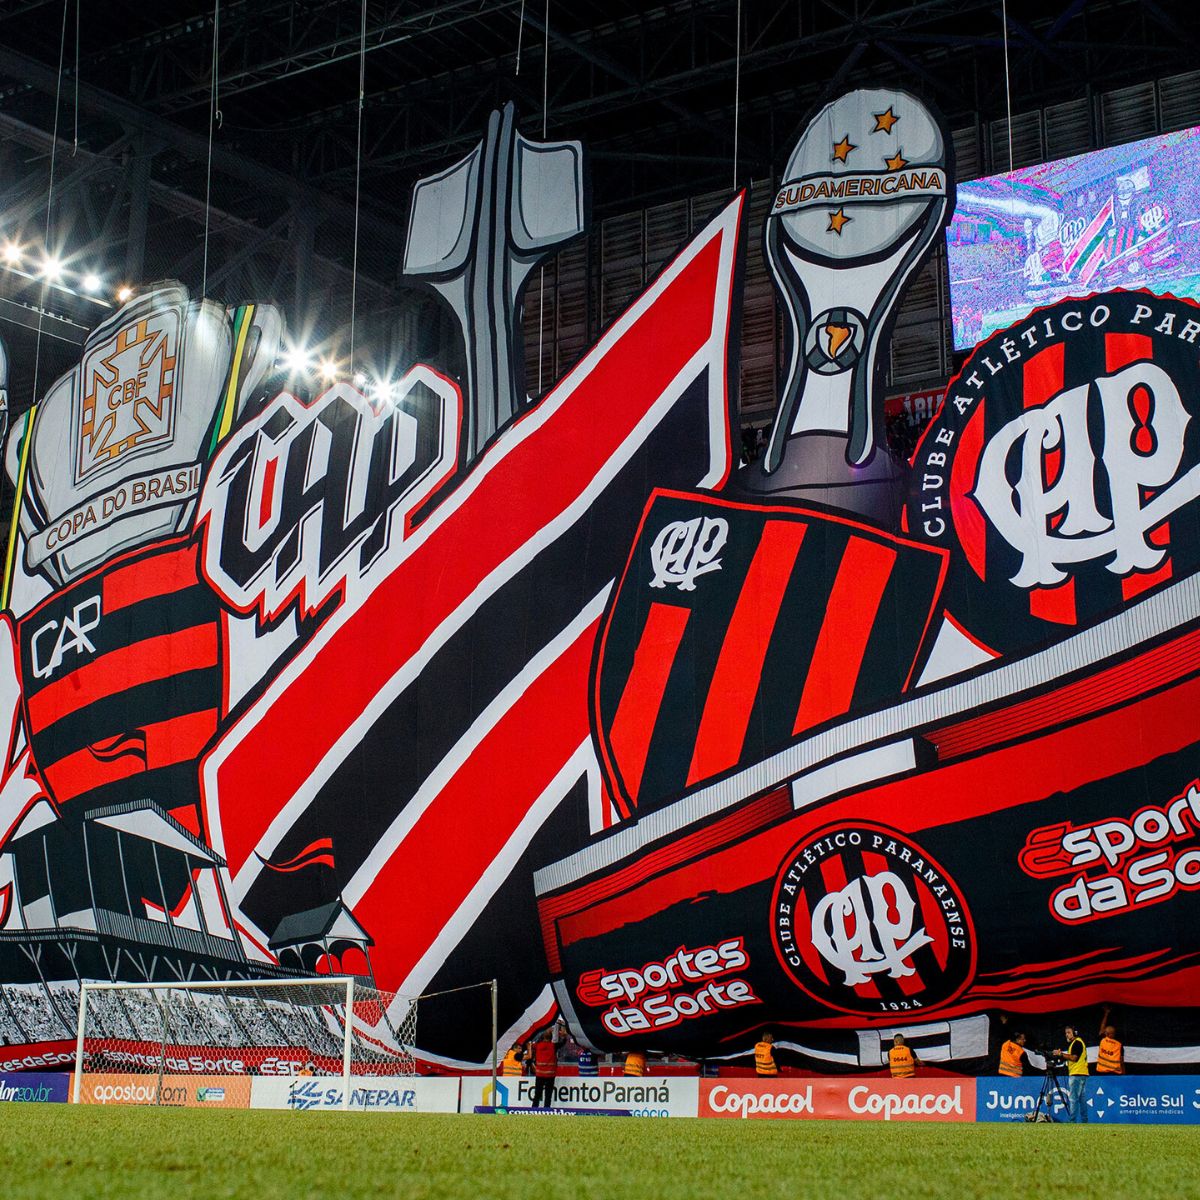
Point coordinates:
[[116, 101], [146, 820], [332, 922]]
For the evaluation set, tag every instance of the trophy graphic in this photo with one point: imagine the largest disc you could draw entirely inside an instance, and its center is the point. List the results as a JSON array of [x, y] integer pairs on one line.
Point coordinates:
[[867, 189]]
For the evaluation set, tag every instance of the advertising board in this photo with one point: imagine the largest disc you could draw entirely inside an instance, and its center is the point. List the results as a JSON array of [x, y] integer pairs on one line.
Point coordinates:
[[37, 1056], [649, 1096], [35, 1087], [839, 1099], [367, 1094], [173, 1091], [1111, 1099]]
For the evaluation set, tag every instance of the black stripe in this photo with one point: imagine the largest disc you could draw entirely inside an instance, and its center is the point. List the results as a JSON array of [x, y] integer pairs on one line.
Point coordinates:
[[900, 623], [169, 787], [141, 622], [127, 711], [794, 640], [389, 761]]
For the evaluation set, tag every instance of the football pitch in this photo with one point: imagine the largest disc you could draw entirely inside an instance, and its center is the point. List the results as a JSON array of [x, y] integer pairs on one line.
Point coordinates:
[[60, 1151]]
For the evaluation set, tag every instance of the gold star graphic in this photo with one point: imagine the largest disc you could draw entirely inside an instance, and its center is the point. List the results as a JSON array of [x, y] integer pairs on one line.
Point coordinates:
[[837, 220], [841, 150], [896, 163], [884, 121]]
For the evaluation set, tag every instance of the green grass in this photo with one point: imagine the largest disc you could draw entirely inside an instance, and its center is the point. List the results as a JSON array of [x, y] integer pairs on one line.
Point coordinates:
[[60, 1152]]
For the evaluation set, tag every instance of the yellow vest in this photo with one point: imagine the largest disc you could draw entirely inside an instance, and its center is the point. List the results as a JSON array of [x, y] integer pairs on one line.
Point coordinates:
[[1010, 1060], [1108, 1061], [901, 1062], [635, 1063], [764, 1059], [1080, 1065], [512, 1064]]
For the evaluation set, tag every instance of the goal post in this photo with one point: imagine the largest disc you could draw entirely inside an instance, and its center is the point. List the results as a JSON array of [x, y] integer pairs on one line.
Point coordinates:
[[332, 1026]]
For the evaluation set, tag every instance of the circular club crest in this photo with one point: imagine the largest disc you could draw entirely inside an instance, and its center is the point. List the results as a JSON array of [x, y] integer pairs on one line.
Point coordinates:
[[866, 922], [1063, 468]]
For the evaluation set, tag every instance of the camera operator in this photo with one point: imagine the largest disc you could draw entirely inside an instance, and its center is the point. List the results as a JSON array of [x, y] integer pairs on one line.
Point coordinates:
[[1077, 1075]]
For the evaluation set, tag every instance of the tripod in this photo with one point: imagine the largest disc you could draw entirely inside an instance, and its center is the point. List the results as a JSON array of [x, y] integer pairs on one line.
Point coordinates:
[[1052, 1089]]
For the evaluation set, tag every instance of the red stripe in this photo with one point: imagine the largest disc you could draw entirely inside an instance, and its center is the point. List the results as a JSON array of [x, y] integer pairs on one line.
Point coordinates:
[[1121, 349], [157, 575], [833, 872], [167, 742], [849, 620], [119, 670], [637, 712], [877, 864], [1042, 376], [266, 502], [511, 768], [1042, 380], [533, 483], [738, 673]]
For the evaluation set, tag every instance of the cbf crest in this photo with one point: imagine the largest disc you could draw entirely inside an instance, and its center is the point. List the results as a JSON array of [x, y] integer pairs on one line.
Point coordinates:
[[127, 381], [1064, 466]]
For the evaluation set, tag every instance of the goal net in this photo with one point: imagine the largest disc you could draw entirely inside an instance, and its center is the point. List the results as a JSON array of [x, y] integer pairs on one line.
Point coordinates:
[[319, 1027]]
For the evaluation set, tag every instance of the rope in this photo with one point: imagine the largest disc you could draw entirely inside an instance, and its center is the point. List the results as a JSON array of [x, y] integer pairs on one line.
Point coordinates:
[[75, 145], [37, 347], [362, 81], [520, 36], [213, 122], [542, 269], [737, 91], [1007, 83]]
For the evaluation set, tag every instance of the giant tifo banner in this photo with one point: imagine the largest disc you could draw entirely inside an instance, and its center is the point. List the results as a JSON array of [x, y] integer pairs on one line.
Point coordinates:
[[438, 685]]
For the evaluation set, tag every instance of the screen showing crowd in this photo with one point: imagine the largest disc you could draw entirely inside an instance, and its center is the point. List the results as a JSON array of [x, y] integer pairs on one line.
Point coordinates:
[[1127, 216]]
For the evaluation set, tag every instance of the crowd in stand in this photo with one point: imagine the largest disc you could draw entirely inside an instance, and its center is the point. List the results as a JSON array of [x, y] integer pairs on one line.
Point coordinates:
[[37, 1012]]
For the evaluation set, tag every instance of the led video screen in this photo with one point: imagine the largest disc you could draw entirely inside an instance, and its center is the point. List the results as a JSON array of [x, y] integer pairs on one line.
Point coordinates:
[[1128, 216]]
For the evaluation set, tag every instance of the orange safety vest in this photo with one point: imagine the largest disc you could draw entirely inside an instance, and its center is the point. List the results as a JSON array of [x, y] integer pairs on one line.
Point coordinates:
[[764, 1059], [635, 1063], [901, 1062], [1108, 1061], [512, 1064], [1010, 1060]]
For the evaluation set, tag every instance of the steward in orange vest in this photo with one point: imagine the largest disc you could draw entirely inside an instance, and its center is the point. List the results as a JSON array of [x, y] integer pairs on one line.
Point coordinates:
[[635, 1063], [512, 1064], [902, 1062], [1111, 1058], [764, 1056], [1012, 1057]]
